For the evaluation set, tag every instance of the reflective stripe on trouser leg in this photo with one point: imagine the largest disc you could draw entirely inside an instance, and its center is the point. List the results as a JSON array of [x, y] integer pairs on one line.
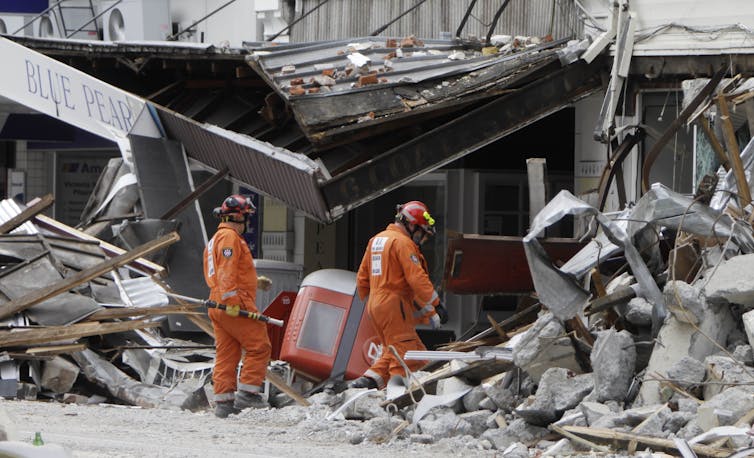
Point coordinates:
[[249, 388], [222, 397]]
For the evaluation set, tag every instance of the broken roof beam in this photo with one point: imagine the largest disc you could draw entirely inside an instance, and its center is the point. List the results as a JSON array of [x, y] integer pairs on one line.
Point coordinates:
[[38, 207], [36, 336], [461, 136], [37, 296]]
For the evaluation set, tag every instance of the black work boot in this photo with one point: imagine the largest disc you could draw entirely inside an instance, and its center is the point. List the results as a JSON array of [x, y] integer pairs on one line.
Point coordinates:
[[247, 399], [363, 382], [225, 408]]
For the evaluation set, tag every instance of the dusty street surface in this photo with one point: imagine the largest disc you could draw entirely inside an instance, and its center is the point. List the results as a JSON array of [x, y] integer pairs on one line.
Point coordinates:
[[118, 431]]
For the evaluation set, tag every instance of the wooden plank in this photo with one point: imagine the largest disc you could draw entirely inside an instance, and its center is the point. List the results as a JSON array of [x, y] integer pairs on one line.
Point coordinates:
[[35, 336], [734, 153], [42, 294], [126, 312], [608, 434], [38, 207], [280, 384], [56, 349], [143, 265]]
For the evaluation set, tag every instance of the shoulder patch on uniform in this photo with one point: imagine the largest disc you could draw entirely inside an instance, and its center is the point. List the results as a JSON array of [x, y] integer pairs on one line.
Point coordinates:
[[414, 259], [227, 252]]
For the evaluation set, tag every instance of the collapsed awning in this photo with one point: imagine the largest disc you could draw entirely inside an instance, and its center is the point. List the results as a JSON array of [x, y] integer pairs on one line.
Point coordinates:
[[352, 137]]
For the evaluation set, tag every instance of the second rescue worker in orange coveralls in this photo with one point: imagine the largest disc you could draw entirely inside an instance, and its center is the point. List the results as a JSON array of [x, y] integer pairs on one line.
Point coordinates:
[[230, 273], [393, 277]]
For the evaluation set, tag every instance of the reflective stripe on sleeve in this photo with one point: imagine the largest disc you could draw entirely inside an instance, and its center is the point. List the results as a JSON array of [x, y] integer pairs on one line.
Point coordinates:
[[229, 294]]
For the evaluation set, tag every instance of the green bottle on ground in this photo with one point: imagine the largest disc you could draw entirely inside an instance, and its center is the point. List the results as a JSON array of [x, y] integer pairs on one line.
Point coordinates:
[[38, 439]]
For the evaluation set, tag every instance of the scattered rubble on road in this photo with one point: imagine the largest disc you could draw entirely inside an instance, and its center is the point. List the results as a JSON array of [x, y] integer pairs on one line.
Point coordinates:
[[641, 340]]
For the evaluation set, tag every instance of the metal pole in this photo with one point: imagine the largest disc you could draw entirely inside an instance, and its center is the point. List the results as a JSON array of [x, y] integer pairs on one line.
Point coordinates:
[[495, 19], [297, 20], [465, 18], [38, 16], [175, 36], [382, 29], [93, 19]]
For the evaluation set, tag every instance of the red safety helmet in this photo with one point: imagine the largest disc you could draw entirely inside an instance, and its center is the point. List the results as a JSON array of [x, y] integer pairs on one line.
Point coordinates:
[[415, 212], [235, 207]]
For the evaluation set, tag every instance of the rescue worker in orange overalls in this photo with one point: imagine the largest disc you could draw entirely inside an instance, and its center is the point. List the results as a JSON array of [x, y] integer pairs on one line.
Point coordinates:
[[391, 274], [232, 278]]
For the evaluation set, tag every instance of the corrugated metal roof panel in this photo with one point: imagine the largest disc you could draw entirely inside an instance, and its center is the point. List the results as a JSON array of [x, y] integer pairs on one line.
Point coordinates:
[[347, 18], [435, 59], [289, 177]]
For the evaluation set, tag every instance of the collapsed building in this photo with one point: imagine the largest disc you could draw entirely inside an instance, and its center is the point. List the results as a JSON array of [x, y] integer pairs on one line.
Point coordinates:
[[640, 331]]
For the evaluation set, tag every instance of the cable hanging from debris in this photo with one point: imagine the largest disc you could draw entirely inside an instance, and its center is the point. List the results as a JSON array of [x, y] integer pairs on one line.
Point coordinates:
[[498, 13], [320, 4], [382, 29]]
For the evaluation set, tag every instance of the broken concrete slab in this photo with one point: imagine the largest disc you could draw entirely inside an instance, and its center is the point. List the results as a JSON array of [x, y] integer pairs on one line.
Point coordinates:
[[559, 390], [544, 346], [684, 301], [517, 431], [613, 361], [639, 312], [745, 354], [58, 375], [473, 398], [724, 372], [364, 407], [653, 424], [477, 420], [732, 282], [687, 372], [725, 408], [676, 340], [445, 424], [748, 321], [593, 411]]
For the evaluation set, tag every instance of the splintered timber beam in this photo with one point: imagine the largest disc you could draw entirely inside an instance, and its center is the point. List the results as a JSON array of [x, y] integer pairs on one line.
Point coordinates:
[[35, 336], [30, 212], [734, 153], [114, 313], [42, 294], [609, 434]]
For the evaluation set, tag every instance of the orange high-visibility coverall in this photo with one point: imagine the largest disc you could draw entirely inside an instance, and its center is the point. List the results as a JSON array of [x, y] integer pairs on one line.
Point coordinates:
[[230, 273], [391, 274]]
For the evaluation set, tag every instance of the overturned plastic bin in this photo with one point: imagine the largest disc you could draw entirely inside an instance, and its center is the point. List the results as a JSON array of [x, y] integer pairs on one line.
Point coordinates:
[[329, 333]]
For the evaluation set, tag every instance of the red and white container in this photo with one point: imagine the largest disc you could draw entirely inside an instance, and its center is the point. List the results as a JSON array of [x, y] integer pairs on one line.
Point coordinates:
[[329, 332]]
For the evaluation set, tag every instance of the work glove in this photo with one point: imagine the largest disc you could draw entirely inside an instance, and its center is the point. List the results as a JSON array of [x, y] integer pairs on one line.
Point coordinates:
[[442, 312], [264, 283], [434, 321]]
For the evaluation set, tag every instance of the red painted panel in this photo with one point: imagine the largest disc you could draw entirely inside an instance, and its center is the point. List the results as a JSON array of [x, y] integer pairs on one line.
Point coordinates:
[[482, 264]]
